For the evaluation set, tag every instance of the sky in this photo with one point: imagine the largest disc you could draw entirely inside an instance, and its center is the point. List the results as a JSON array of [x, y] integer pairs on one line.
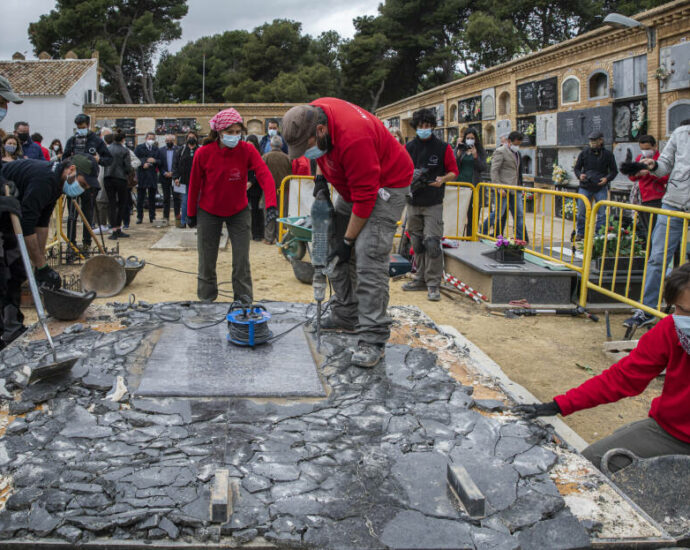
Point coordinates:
[[205, 17]]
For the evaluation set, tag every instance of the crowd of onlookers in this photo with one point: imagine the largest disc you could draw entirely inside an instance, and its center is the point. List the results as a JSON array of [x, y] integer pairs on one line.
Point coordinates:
[[152, 177]]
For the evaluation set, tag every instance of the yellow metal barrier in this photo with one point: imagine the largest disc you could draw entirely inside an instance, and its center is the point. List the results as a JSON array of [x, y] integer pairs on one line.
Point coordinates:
[[548, 237], [626, 248], [283, 208], [459, 228]]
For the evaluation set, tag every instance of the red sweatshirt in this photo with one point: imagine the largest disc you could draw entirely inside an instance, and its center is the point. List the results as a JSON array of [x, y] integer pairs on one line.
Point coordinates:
[[301, 167], [657, 350], [218, 181], [651, 187], [46, 153], [365, 155]]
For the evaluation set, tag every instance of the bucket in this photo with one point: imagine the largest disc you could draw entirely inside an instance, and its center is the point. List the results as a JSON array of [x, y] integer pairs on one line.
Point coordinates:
[[66, 305], [105, 275]]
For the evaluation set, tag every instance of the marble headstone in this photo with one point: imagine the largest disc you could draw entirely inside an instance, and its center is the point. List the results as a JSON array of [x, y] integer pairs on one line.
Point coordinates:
[[676, 60], [528, 161], [630, 77], [524, 125], [566, 159], [620, 153], [527, 98], [489, 104], [575, 126], [547, 130], [546, 158], [547, 94]]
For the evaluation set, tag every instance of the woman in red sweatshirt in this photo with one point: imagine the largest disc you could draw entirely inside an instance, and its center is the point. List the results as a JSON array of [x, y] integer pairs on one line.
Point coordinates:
[[666, 346], [217, 195]]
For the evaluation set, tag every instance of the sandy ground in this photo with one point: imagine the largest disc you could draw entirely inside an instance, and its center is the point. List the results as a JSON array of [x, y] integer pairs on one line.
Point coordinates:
[[547, 355]]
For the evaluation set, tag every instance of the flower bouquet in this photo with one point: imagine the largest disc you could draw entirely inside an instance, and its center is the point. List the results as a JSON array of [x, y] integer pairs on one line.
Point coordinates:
[[640, 122], [510, 251], [530, 130], [559, 175]]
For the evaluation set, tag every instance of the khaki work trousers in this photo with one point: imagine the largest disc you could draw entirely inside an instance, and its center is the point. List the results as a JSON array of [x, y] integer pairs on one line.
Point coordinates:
[[425, 224]]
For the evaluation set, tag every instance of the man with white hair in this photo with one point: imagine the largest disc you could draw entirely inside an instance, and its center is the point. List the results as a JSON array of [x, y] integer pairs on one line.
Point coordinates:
[[165, 175], [280, 166]]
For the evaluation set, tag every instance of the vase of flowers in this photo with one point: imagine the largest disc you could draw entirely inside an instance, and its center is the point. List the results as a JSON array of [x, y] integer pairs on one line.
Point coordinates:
[[629, 251], [559, 176], [639, 124], [510, 251]]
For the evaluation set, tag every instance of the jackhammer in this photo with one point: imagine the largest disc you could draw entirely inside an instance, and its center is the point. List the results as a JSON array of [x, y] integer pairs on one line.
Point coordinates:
[[321, 218]]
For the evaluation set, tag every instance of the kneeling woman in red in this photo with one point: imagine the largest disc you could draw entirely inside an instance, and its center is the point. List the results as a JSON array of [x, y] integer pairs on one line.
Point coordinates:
[[667, 346], [217, 195]]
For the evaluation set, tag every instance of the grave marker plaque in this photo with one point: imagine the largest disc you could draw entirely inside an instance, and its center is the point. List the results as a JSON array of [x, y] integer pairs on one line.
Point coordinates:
[[547, 94], [127, 125], [503, 128], [630, 77], [547, 129], [470, 109], [676, 61], [623, 152], [527, 126], [629, 120], [527, 163], [174, 126], [527, 98], [677, 113], [489, 104], [575, 126], [566, 160], [546, 158]]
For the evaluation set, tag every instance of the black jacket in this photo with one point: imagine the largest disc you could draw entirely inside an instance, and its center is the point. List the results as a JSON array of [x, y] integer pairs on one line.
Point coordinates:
[[90, 145], [429, 154], [163, 152], [595, 164], [182, 163], [147, 177], [121, 166]]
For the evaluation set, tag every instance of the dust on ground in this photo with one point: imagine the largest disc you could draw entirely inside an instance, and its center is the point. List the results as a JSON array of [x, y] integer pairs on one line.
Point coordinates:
[[546, 354]]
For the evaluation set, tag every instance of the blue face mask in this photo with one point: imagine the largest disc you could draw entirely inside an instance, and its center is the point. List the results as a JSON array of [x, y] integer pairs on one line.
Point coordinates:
[[10, 149], [273, 133], [231, 141], [72, 190], [314, 153], [424, 133], [3, 113], [682, 323], [82, 131]]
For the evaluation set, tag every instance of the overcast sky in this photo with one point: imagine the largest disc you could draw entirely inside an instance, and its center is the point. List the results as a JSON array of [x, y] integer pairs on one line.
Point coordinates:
[[205, 17]]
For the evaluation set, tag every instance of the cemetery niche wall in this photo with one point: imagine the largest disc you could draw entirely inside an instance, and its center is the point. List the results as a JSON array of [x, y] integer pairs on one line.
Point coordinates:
[[629, 120], [470, 109], [575, 126], [489, 104], [546, 158], [539, 95], [528, 127]]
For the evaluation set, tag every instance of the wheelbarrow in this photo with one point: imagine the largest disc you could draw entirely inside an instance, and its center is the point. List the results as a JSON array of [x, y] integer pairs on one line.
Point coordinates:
[[295, 243]]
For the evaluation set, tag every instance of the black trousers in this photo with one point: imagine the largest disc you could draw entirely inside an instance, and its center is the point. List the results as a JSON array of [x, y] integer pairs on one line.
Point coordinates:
[[142, 193], [118, 199], [86, 202], [12, 275], [177, 200], [254, 195], [644, 227]]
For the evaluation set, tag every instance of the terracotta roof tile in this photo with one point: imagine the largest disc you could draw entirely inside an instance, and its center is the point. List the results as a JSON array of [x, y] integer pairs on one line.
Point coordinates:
[[44, 77]]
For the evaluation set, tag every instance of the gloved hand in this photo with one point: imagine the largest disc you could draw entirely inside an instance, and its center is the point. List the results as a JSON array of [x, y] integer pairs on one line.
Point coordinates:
[[271, 214], [320, 184], [537, 409], [342, 252], [11, 205], [191, 221], [47, 276]]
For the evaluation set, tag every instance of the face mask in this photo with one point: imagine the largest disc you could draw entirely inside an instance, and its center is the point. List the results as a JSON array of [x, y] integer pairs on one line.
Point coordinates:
[[191, 141], [23, 137], [82, 131], [424, 133], [231, 141], [648, 153], [169, 145], [150, 142], [56, 148], [273, 132], [73, 189], [682, 323], [3, 113], [515, 148], [10, 149], [469, 142], [314, 153]]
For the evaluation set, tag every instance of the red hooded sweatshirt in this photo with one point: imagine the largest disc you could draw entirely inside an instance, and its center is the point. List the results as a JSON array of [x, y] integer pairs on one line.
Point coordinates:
[[301, 167], [218, 181], [365, 155], [657, 350], [651, 187]]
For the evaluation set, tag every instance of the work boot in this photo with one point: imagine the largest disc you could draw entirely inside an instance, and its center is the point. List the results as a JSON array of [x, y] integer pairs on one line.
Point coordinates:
[[139, 220], [639, 319], [368, 355], [414, 285], [328, 324], [434, 294]]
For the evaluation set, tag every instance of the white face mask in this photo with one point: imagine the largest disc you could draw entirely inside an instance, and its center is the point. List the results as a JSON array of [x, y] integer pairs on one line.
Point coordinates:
[[515, 148], [469, 142], [150, 142], [648, 153]]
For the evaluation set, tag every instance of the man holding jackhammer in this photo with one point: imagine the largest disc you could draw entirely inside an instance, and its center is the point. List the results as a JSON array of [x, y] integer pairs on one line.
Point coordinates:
[[372, 172], [435, 161]]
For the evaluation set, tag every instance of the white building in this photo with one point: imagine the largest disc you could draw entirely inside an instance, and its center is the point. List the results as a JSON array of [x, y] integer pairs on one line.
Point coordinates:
[[54, 92]]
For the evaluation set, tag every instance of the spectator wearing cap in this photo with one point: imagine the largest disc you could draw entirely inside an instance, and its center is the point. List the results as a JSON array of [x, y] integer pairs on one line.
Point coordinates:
[[38, 140], [273, 130], [279, 165], [38, 185], [595, 169], [217, 196], [372, 173]]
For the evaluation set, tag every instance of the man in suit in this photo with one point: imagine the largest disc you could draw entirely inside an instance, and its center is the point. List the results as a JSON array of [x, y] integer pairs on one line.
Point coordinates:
[[505, 170], [167, 158], [147, 181]]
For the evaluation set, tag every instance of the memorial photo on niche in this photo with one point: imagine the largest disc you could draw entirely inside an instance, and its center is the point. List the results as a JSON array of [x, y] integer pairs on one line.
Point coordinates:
[[527, 126], [547, 94], [166, 126], [629, 120], [527, 98], [127, 125], [470, 109]]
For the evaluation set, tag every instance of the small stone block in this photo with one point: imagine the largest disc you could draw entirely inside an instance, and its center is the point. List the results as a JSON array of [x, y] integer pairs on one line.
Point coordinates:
[[466, 490], [221, 497]]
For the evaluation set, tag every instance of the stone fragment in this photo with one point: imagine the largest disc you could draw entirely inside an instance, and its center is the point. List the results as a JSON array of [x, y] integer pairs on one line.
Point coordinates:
[[276, 471], [180, 407], [21, 407], [563, 532], [4, 393], [41, 522], [17, 427], [290, 488], [490, 405], [468, 492], [255, 483], [488, 539], [70, 533], [118, 390], [412, 530], [170, 528], [157, 476], [6, 455], [22, 498], [97, 381], [81, 423], [56, 500], [244, 536], [537, 460], [530, 508], [508, 447]]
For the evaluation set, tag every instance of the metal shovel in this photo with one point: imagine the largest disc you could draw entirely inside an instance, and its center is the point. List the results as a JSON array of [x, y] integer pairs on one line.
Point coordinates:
[[46, 368]]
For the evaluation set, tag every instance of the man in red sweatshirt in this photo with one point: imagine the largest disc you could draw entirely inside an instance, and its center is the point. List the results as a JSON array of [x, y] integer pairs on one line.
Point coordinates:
[[371, 172], [217, 196], [652, 188], [666, 346]]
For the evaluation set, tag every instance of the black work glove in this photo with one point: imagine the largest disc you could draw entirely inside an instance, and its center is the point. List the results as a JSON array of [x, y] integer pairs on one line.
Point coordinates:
[[343, 252], [14, 192], [271, 214], [47, 276], [320, 184], [537, 409], [191, 221], [11, 205]]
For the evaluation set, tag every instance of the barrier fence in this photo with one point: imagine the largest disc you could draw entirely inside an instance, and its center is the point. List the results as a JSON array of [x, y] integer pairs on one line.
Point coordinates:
[[616, 263]]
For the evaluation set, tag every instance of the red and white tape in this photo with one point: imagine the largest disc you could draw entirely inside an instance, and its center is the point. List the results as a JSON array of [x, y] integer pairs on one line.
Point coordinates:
[[468, 290]]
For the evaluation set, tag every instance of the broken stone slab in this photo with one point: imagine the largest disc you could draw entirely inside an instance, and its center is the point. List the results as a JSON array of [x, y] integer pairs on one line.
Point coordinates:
[[536, 460], [412, 530], [95, 380], [488, 539], [181, 407], [490, 405], [41, 522], [169, 528], [529, 509], [563, 532], [276, 471]]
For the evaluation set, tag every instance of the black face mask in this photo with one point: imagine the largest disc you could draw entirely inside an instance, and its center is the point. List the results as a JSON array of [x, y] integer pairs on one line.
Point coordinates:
[[23, 137], [191, 141], [169, 145]]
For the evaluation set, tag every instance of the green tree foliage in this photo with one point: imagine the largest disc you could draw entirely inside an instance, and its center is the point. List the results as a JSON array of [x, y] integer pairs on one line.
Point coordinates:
[[126, 34]]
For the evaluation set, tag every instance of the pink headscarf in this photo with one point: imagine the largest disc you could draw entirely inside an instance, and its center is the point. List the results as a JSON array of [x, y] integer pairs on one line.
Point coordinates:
[[225, 119]]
